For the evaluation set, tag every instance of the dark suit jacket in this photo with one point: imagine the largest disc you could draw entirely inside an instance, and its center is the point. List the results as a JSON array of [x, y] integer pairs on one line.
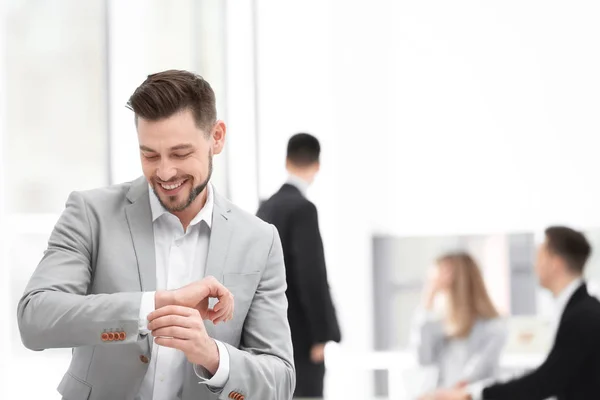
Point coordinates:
[[311, 312], [572, 369]]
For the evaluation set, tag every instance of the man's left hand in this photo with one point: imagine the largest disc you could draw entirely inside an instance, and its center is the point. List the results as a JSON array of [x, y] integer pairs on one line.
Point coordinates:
[[182, 328]]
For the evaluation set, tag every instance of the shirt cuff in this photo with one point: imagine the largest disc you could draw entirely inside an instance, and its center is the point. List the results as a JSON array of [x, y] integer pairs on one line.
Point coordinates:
[[475, 390], [220, 378], [146, 308]]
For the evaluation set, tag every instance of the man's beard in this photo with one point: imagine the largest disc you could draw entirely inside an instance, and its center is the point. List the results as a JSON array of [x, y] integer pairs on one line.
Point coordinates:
[[194, 193]]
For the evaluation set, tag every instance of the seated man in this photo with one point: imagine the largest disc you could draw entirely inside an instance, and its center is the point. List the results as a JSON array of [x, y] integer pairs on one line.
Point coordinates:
[[572, 369]]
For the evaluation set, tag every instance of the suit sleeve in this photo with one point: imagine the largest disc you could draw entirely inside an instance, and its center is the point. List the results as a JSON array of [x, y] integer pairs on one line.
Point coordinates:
[[310, 275], [263, 366], [552, 377], [56, 310]]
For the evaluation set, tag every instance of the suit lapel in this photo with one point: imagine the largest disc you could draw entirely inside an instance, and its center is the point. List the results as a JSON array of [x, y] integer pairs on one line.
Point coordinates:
[[220, 236], [139, 218]]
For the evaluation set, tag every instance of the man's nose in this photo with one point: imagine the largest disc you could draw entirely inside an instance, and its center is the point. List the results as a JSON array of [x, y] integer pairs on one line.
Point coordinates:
[[166, 171]]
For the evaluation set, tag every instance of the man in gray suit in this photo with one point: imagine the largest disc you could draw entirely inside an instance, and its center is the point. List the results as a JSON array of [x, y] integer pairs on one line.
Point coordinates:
[[130, 269]]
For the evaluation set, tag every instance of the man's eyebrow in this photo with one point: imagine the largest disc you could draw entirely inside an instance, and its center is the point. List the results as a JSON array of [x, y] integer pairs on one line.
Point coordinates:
[[146, 148], [184, 146]]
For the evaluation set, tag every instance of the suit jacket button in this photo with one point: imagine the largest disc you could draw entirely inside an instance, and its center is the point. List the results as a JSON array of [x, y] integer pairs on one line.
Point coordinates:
[[111, 336], [104, 337], [122, 335], [144, 359]]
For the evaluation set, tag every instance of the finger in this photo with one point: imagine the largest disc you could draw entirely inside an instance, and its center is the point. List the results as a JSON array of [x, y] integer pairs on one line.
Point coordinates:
[[171, 320], [224, 307], [231, 311], [215, 314], [172, 310], [221, 304], [212, 317], [213, 285], [220, 319], [223, 315], [176, 332], [227, 316], [219, 291], [173, 343], [225, 304], [215, 288]]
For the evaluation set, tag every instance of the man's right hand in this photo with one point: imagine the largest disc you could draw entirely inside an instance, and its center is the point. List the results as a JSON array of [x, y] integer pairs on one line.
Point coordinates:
[[447, 394], [196, 295], [317, 353]]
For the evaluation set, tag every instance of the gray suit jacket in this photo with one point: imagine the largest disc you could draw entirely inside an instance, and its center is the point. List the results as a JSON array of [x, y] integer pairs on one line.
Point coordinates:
[[101, 257]]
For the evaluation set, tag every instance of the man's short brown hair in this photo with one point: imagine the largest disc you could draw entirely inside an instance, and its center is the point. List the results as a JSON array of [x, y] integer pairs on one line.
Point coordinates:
[[570, 245], [166, 93]]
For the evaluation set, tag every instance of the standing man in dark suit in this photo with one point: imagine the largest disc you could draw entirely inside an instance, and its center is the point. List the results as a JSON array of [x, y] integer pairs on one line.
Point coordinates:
[[572, 369], [311, 313]]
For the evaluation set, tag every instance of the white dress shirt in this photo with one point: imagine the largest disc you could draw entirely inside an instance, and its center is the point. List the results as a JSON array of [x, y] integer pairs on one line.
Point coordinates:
[[298, 183], [560, 303], [180, 259]]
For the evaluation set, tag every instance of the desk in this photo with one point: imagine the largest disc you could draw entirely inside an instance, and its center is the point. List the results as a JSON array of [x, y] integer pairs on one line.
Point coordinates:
[[402, 366]]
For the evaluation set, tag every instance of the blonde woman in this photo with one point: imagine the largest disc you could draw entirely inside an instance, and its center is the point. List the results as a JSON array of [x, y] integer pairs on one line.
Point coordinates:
[[459, 330]]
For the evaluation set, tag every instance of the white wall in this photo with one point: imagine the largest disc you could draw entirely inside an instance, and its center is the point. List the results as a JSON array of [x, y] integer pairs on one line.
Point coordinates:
[[54, 130], [146, 37], [4, 273], [494, 125], [241, 104], [435, 117]]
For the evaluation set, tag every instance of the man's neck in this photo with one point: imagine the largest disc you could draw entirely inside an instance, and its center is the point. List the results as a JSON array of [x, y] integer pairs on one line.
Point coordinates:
[[300, 184], [300, 174], [186, 216], [562, 283]]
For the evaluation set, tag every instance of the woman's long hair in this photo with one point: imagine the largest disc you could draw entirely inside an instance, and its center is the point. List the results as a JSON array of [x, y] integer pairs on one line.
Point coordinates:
[[468, 299]]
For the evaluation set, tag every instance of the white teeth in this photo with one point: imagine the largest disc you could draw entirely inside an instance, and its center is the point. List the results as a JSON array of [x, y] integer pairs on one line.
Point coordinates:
[[171, 187]]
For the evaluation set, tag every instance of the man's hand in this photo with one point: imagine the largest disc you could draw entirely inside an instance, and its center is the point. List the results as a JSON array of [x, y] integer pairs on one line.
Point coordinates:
[[461, 385], [317, 353], [447, 394], [196, 295], [182, 328]]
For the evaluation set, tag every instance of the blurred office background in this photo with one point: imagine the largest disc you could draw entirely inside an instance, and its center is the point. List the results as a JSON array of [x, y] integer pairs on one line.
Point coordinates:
[[443, 124]]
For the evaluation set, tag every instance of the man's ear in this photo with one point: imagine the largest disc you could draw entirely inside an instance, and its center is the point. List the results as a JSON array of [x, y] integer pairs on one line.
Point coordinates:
[[218, 137]]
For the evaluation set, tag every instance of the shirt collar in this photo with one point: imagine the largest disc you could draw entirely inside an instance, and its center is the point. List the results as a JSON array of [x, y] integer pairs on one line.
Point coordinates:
[[298, 183], [566, 294], [205, 213]]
